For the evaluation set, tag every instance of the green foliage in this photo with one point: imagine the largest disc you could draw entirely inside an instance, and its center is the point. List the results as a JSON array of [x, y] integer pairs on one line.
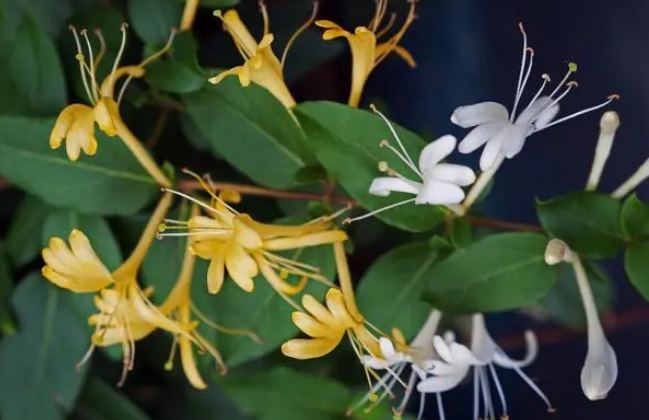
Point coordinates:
[[24, 236], [153, 20], [499, 272], [100, 401], [38, 376], [588, 222], [285, 394], [346, 141], [636, 263], [635, 217], [251, 129], [390, 292], [6, 285], [112, 182], [178, 72]]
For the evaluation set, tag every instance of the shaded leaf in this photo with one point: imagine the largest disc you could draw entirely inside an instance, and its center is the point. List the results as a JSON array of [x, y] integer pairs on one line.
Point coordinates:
[[100, 401], [636, 264], [7, 325], [111, 182], [346, 141], [251, 129], [38, 379], [588, 222], [178, 71], [24, 235], [635, 217], [497, 273], [389, 294], [153, 20]]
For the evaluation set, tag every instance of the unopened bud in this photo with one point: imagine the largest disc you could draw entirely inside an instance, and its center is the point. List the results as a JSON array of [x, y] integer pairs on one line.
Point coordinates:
[[557, 251]]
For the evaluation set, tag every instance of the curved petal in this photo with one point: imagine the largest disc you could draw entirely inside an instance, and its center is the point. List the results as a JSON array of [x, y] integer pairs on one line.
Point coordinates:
[[439, 368], [482, 345], [546, 116], [480, 135], [216, 272], [310, 326], [530, 113], [383, 186], [490, 153], [336, 305], [439, 192], [375, 363], [246, 236], [436, 151], [441, 383], [442, 349], [501, 358], [82, 249], [462, 356], [387, 348], [239, 262], [452, 173], [219, 77], [318, 310], [327, 24], [513, 139], [311, 348], [480, 113]]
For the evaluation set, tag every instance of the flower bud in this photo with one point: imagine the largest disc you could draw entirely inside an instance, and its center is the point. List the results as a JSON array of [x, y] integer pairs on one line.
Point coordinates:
[[557, 251]]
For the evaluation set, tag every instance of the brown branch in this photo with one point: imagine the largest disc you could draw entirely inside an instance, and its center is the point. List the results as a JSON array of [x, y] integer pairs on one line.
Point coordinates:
[[4, 184], [610, 323], [191, 185]]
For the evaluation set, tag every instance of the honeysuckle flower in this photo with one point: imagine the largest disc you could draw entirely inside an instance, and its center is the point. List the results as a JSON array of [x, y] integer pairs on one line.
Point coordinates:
[[234, 241], [367, 51], [125, 312], [438, 183], [502, 133], [260, 66], [608, 125], [76, 123], [599, 373], [327, 326]]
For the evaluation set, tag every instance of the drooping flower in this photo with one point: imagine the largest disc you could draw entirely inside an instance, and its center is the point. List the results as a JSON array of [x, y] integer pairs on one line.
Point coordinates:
[[367, 51], [260, 66], [608, 125], [599, 373], [76, 123], [504, 134], [438, 183], [246, 248], [125, 313]]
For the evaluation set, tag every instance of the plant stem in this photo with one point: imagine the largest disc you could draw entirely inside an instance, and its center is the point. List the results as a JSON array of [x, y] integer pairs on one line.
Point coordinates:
[[141, 154], [481, 183], [345, 280], [189, 13]]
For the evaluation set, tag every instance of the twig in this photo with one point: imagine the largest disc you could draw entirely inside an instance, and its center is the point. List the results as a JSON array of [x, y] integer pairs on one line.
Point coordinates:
[[191, 185]]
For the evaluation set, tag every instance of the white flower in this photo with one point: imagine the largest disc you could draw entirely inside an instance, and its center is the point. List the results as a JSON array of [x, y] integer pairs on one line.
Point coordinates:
[[435, 182], [503, 133], [390, 357]]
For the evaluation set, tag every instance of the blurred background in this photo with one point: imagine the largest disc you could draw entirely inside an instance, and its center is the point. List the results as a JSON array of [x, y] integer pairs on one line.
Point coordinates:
[[467, 51]]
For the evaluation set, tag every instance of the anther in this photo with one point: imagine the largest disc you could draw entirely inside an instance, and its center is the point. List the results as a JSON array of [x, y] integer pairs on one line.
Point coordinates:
[[383, 166], [545, 77], [71, 27], [530, 50], [572, 67], [169, 365], [572, 83], [373, 108], [373, 397], [613, 97], [384, 143], [521, 28], [124, 26], [552, 410], [162, 227], [347, 221]]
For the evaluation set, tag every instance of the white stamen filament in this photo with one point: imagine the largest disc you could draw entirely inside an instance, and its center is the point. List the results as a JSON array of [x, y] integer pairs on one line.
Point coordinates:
[[569, 87], [534, 387], [405, 159], [118, 58], [610, 99], [422, 405], [546, 79], [440, 406], [521, 72], [608, 124], [572, 68], [527, 76], [381, 210], [499, 389], [396, 137], [193, 200], [476, 396]]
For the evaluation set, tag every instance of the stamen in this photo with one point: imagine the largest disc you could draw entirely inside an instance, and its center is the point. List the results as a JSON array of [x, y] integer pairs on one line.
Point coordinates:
[[382, 209], [232, 331], [499, 389], [359, 354], [572, 68], [102, 47], [534, 387], [210, 190], [83, 68], [422, 403], [486, 394], [611, 98], [386, 28], [169, 365], [522, 69], [119, 54], [393, 42], [396, 137], [523, 83], [194, 200], [299, 32], [385, 143], [440, 406], [93, 77], [476, 396], [223, 201], [264, 15], [546, 79], [406, 396]]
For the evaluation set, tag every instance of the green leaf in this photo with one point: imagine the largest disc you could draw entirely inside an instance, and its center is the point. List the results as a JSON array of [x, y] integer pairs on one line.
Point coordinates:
[[61, 223], [153, 20], [7, 325], [267, 314], [214, 3], [251, 129], [564, 303], [497, 273], [38, 379], [346, 141], [588, 222], [636, 265], [461, 233], [178, 71], [389, 294], [49, 16], [24, 235], [286, 394], [31, 74], [111, 182], [100, 401], [635, 217]]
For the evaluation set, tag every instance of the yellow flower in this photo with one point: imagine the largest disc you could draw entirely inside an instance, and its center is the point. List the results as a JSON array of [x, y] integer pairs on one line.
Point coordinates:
[[125, 312], [180, 307], [76, 123], [327, 326], [234, 241], [260, 66], [367, 51]]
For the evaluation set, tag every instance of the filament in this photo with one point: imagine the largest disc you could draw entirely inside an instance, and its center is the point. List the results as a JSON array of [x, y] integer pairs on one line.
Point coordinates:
[[382, 209], [396, 137], [299, 32]]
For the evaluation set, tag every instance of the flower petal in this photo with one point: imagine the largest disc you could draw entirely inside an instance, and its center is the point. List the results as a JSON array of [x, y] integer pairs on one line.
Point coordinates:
[[301, 348], [442, 348], [482, 345], [546, 116], [327, 24], [513, 139], [480, 135], [599, 374], [441, 383], [530, 113], [216, 272], [375, 362], [310, 326], [490, 153], [455, 174], [501, 358], [439, 192], [387, 348], [318, 310], [337, 307], [383, 186], [480, 113], [436, 151], [246, 236]]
